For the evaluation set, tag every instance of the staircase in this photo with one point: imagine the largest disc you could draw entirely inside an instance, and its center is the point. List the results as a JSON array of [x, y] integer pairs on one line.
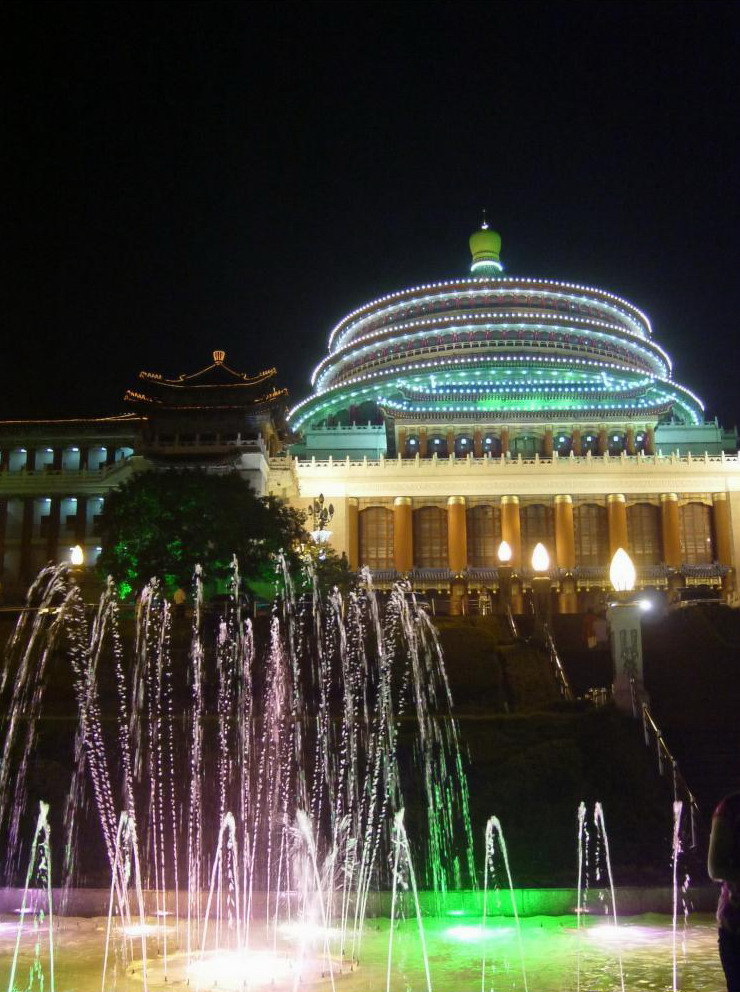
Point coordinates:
[[691, 661]]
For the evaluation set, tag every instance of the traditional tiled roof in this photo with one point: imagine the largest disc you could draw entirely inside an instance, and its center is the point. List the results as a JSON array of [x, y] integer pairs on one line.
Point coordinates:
[[214, 386]]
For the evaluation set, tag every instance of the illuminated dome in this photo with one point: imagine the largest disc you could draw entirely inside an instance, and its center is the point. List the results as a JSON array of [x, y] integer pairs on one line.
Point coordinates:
[[494, 349]]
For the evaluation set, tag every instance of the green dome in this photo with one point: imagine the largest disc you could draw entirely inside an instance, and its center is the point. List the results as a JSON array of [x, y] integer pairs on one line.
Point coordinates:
[[485, 247]]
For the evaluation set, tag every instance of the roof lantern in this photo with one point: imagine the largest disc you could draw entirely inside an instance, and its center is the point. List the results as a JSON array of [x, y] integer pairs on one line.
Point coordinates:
[[485, 247], [491, 348]]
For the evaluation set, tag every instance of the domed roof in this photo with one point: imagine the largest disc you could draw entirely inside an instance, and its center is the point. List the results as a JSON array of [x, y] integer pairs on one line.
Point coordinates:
[[493, 348], [485, 247]]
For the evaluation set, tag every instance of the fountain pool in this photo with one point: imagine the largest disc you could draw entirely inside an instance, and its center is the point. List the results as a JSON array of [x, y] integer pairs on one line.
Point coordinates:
[[559, 957], [237, 798]]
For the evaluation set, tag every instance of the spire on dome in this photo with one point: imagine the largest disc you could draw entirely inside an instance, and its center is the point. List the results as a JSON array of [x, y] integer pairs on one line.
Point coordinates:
[[485, 247]]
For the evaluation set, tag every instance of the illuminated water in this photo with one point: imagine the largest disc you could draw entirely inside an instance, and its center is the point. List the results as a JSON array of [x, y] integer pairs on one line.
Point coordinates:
[[250, 801], [243, 785], [555, 950]]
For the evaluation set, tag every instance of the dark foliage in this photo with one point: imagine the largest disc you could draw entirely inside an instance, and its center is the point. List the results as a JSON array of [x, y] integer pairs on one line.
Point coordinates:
[[164, 523]]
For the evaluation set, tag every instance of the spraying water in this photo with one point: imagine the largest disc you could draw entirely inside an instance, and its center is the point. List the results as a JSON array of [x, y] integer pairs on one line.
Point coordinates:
[[36, 895], [495, 847], [211, 753]]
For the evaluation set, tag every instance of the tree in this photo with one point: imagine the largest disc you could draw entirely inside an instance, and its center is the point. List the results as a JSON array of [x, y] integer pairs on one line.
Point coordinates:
[[165, 523]]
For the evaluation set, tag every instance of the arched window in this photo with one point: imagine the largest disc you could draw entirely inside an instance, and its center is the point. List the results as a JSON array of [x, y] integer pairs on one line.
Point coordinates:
[[562, 443], [590, 442], [412, 446], [591, 534], [640, 441], [430, 537], [463, 445], [616, 443], [697, 546], [437, 445], [538, 527], [376, 537], [484, 536], [491, 445], [643, 534], [525, 445]]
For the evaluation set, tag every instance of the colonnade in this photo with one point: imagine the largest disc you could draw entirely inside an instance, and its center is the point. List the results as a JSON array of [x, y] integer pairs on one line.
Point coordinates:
[[505, 440], [32, 537], [565, 543], [80, 458]]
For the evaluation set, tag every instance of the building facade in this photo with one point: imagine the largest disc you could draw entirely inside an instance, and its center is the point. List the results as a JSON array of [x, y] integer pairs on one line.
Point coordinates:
[[449, 417], [55, 474], [445, 419]]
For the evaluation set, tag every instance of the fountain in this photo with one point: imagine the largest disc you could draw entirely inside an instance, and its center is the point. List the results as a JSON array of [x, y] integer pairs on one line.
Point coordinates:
[[245, 790]]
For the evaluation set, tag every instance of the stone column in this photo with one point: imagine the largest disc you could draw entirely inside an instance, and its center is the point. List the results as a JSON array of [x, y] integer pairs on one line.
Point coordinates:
[[504, 440], [722, 533], [650, 441], [423, 446], [52, 536], [24, 565], [576, 441], [565, 538], [603, 442], [457, 553], [630, 440], [57, 457], [401, 442], [616, 509], [671, 530], [565, 553], [450, 442], [511, 530], [81, 521], [84, 457], [403, 534], [457, 538], [477, 443], [31, 460], [4, 459], [353, 533], [547, 444], [110, 455]]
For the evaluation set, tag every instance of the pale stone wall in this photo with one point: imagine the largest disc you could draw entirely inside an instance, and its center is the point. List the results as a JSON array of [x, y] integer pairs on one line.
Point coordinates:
[[433, 480]]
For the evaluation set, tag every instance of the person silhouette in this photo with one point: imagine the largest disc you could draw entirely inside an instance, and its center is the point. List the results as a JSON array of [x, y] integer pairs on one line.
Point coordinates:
[[723, 865]]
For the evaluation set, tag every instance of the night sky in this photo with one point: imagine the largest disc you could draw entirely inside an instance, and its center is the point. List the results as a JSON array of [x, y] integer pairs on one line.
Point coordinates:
[[179, 177]]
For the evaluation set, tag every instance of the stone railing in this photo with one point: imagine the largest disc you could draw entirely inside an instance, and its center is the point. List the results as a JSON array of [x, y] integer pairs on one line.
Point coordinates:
[[504, 463]]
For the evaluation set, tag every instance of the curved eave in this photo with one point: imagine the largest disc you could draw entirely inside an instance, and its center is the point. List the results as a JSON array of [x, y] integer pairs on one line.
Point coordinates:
[[332, 365], [554, 414], [507, 283], [189, 381], [656, 399]]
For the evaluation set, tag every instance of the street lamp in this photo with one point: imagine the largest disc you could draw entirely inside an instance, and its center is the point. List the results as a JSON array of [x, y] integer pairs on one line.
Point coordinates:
[[504, 576], [76, 556], [625, 637], [622, 574], [541, 583], [322, 514]]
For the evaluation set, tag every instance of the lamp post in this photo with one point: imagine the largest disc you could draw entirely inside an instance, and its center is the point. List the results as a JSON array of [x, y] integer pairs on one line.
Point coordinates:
[[541, 584], [504, 576], [322, 514], [625, 637]]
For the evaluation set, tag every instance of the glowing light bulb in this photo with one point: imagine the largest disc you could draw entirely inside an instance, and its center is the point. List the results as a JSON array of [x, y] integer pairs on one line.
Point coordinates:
[[77, 555], [540, 558], [622, 573], [504, 552]]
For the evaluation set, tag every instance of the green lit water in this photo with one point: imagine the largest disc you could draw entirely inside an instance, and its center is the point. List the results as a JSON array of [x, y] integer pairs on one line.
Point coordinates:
[[556, 952]]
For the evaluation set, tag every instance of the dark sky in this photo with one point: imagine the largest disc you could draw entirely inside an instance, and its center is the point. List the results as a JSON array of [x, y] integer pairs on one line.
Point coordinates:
[[179, 177]]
